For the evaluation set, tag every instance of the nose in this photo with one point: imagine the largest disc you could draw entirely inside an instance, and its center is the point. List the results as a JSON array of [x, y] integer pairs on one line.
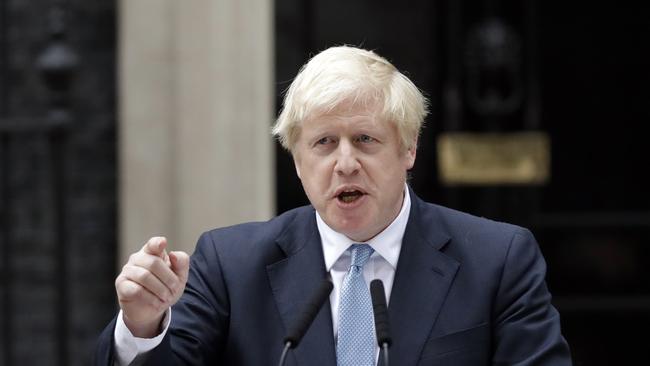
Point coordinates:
[[347, 162]]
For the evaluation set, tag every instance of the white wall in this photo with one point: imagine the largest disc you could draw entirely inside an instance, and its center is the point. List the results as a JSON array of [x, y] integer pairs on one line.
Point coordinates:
[[195, 111]]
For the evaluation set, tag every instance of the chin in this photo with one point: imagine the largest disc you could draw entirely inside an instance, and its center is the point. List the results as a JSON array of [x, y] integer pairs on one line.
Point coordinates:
[[353, 231], [353, 225]]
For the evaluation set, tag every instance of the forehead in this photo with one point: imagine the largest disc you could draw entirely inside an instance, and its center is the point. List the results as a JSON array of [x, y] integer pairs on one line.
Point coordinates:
[[346, 117]]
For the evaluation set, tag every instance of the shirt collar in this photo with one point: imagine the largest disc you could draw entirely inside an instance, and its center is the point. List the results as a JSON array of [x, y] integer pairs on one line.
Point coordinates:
[[387, 243]]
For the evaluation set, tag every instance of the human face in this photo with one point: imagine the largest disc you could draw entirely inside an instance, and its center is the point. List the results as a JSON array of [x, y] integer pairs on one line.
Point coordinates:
[[353, 170]]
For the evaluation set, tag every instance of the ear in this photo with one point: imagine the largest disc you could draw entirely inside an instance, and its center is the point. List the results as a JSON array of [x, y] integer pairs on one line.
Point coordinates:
[[410, 154], [296, 164]]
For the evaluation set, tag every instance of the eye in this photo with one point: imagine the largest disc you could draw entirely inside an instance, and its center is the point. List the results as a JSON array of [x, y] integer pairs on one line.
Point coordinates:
[[365, 139], [324, 141]]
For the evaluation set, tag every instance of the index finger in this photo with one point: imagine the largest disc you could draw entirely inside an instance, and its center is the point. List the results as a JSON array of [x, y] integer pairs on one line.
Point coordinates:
[[156, 246]]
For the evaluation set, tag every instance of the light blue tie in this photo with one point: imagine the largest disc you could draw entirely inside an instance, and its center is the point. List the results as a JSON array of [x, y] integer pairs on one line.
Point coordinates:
[[356, 335]]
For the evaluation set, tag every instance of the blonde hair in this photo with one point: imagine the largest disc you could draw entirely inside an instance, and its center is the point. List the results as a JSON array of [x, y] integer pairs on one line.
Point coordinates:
[[347, 74]]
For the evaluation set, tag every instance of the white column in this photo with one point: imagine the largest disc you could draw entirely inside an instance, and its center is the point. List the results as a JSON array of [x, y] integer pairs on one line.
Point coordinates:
[[196, 107]]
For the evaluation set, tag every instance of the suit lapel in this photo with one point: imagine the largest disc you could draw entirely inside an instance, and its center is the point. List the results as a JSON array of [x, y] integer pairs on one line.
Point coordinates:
[[422, 281], [294, 280]]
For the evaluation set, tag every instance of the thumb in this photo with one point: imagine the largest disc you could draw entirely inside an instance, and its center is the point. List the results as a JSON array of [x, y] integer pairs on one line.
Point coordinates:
[[180, 263]]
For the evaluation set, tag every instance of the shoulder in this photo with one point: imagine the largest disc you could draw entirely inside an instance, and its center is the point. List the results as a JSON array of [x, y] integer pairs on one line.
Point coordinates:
[[258, 235], [471, 237], [461, 224]]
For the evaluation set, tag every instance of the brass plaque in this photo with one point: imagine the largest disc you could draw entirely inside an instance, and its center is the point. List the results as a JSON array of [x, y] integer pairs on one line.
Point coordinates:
[[494, 158]]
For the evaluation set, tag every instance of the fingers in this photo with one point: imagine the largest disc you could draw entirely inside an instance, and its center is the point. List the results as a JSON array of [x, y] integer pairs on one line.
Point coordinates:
[[157, 267], [180, 264], [156, 246], [147, 280], [132, 292], [152, 270]]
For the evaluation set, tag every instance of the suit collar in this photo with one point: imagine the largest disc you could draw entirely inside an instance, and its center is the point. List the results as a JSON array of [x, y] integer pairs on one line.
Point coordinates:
[[426, 223], [422, 280]]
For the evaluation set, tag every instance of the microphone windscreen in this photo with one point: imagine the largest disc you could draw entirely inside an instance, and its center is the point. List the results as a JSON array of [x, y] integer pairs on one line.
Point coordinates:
[[306, 317], [380, 309]]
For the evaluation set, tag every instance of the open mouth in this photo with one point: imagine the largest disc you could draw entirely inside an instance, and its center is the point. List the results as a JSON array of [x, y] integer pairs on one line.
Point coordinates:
[[349, 196]]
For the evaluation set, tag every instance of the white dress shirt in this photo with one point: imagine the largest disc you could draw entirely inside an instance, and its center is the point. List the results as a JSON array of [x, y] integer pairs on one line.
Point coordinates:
[[128, 346], [382, 262], [381, 265]]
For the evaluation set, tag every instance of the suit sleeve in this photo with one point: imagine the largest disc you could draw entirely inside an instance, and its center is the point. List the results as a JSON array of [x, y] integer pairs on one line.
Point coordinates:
[[527, 326], [103, 355], [199, 325]]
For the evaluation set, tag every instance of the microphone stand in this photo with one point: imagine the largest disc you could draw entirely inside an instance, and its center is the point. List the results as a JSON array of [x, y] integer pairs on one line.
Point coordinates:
[[285, 351], [305, 318], [380, 310], [384, 349]]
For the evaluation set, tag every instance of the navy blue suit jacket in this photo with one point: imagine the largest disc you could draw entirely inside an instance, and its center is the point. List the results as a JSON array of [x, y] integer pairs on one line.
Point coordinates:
[[467, 291]]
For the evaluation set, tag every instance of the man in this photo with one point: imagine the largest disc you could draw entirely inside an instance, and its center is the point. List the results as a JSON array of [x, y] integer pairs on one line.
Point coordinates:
[[462, 290]]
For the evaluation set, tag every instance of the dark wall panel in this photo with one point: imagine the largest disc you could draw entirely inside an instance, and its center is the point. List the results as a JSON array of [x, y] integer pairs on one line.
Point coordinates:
[[57, 180], [595, 69]]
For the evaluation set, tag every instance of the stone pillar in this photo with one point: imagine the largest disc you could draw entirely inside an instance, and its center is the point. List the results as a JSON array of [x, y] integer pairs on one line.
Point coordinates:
[[196, 108]]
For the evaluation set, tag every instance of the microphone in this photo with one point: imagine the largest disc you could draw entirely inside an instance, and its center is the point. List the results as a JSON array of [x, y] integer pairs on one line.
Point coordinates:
[[305, 318], [381, 317]]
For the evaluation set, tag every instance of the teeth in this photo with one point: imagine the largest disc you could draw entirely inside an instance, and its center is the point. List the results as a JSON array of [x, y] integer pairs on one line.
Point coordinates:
[[348, 199], [348, 196]]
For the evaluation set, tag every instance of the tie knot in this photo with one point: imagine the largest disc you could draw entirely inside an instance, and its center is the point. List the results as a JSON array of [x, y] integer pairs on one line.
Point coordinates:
[[360, 254]]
